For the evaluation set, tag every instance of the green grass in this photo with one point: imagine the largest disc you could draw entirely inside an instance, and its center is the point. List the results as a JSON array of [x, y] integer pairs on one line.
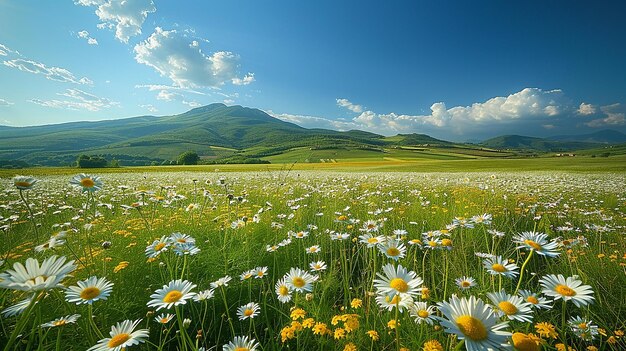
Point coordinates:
[[590, 202]]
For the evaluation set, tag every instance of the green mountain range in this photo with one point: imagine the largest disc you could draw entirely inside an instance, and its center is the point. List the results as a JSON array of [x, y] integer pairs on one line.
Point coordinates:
[[220, 133]]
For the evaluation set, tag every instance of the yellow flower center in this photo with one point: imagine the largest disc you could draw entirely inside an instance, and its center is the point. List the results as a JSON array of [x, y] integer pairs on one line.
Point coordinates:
[[87, 182], [394, 301], [298, 282], [90, 293], [242, 349], [565, 290], [342, 218], [432, 243], [393, 251], [118, 340], [582, 325], [372, 240], [260, 273], [248, 312], [507, 307], [465, 284], [532, 300], [532, 244], [172, 296], [472, 327], [313, 249], [159, 247], [399, 284], [498, 268], [23, 184], [522, 342], [283, 290], [59, 323], [446, 242], [164, 320], [423, 313]]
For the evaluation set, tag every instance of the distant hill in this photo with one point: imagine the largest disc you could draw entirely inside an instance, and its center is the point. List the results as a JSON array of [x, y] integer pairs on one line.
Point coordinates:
[[520, 142], [606, 136]]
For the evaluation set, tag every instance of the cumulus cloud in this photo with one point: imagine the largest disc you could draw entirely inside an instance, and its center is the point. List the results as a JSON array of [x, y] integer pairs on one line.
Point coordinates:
[[4, 102], [173, 54], [83, 34], [77, 100], [614, 116], [586, 109], [15, 60], [150, 108], [345, 103], [126, 17]]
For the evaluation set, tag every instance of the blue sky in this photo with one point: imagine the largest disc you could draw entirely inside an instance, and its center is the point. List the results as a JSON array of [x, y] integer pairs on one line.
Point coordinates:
[[455, 70]]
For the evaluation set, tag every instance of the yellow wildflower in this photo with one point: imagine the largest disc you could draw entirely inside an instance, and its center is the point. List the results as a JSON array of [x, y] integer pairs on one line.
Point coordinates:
[[546, 330], [340, 333], [432, 345], [320, 328], [120, 266], [373, 334], [392, 324], [308, 323], [350, 347], [356, 303], [297, 313]]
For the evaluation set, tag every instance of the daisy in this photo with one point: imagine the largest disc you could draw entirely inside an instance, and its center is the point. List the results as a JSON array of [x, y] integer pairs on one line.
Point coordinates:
[[583, 328], [393, 248], [400, 301], [86, 183], [177, 292], [61, 321], [180, 238], [241, 343], [182, 249], [283, 291], [24, 183], [32, 277], [465, 282], [300, 235], [313, 249], [473, 321], [484, 218], [18, 308], [535, 300], [398, 280], [221, 282], [318, 266], [431, 243], [568, 289], [204, 295], [160, 245], [164, 318], [370, 240], [246, 275], [88, 291], [422, 313], [511, 306], [537, 242], [300, 280], [52, 243], [249, 310], [259, 272], [370, 226], [500, 266], [123, 335]]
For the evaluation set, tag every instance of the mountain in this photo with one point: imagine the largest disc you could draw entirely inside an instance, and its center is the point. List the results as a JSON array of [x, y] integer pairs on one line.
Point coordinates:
[[527, 143], [607, 136], [214, 131]]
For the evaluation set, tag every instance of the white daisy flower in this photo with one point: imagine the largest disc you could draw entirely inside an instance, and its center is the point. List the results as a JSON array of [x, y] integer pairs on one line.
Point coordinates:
[[223, 281], [164, 318], [249, 310], [300, 280], [421, 312], [465, 282], [511, 306], [318, 266], [535, 300], [204, 295], [500, 266], [398, 280], [86, 183], [88, 291], [153, 250], [474, 321], [537, 242], [18, 308], [393, 248], [177, 292], [283, 291], [558, 287], [61, 321], [241, 343], [123, 335], [400, 301], [32, 277]]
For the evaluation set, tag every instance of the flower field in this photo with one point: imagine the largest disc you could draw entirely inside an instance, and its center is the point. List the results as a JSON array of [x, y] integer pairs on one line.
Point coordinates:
[[313, 261]]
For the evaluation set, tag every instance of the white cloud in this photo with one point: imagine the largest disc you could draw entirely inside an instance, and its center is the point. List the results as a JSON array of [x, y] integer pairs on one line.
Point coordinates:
[[170, 54], [350, 106], [150, 108], [77, 100], [4, 102], [167, 95], [125, 16], [586, 109], [313, 121], [83, 34], [615, 116], [15, 60], [247, 79]]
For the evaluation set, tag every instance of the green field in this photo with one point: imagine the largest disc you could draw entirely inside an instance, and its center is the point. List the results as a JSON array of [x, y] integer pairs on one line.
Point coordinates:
[[246, 217]]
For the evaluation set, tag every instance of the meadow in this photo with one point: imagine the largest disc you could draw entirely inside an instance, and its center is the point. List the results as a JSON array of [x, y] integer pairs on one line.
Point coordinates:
[[316, 257]]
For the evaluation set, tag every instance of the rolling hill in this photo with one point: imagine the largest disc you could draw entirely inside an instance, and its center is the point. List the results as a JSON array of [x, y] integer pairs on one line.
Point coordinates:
[[236, 134]]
